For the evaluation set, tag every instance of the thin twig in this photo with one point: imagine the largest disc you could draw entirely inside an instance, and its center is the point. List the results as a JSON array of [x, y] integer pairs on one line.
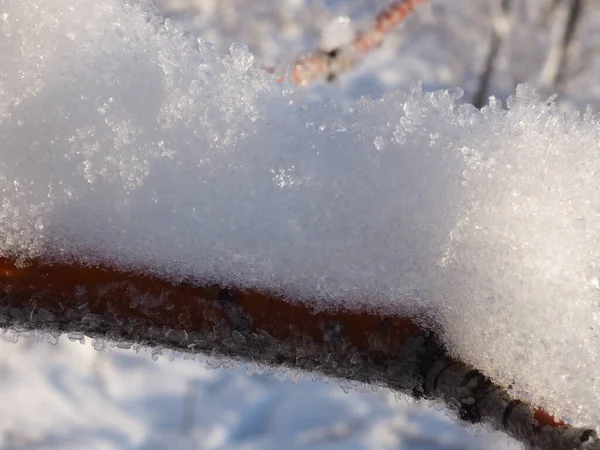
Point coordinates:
[[329, 64]]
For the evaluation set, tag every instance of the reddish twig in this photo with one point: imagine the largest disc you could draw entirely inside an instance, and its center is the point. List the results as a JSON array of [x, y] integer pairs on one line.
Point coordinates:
[[385, 23], [329, 64]]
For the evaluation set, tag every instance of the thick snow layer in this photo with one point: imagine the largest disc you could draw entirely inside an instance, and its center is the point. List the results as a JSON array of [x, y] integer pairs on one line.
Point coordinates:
[[124, 142]]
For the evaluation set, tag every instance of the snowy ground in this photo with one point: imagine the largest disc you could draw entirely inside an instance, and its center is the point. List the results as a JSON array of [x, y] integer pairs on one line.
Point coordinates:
[[71, 396]]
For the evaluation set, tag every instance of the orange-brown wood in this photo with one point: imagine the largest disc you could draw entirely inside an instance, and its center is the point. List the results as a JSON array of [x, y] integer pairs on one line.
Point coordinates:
[[545, 419], [58, 288]]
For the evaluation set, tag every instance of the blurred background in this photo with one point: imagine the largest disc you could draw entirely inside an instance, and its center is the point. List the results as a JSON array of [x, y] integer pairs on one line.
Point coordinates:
[[71, 394], [486, 47]]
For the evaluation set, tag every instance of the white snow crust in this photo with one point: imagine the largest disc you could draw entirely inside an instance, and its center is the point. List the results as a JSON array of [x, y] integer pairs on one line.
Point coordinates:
[[124, 142]]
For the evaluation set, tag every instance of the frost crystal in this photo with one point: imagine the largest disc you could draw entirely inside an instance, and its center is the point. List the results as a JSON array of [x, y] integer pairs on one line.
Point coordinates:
[[242, 57]]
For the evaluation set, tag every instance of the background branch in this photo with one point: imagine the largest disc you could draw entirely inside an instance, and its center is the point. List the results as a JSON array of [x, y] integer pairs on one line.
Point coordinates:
[[568, 14], [329, 64], [501, 24]]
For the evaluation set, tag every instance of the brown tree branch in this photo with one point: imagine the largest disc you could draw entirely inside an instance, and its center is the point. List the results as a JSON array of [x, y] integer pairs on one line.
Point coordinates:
[[329, 64], [389, 351]]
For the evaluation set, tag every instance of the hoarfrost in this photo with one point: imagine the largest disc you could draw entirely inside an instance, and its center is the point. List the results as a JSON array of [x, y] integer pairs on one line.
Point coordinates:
[[125, 142]]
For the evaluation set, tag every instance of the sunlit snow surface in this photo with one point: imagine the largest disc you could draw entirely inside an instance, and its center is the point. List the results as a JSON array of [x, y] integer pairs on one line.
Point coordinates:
[[125, 141]]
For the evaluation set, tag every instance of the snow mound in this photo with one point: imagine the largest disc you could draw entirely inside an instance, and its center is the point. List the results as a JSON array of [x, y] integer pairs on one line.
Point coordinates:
[[124, 142]]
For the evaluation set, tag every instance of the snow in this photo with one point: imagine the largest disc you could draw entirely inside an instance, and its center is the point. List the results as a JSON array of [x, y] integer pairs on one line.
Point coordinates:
[[70, 396], [125, 141]]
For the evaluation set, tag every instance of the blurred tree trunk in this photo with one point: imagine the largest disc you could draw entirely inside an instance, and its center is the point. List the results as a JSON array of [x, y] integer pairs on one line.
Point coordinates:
[[501, 24], [567, 18]]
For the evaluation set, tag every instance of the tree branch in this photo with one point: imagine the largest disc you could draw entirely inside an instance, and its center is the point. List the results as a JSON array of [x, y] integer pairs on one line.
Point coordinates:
[[329, 64], [364, 347]]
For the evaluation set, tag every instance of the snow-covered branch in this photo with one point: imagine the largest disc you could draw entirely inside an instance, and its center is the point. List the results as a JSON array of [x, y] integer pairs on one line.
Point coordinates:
[[129, 146], [359, 346]]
